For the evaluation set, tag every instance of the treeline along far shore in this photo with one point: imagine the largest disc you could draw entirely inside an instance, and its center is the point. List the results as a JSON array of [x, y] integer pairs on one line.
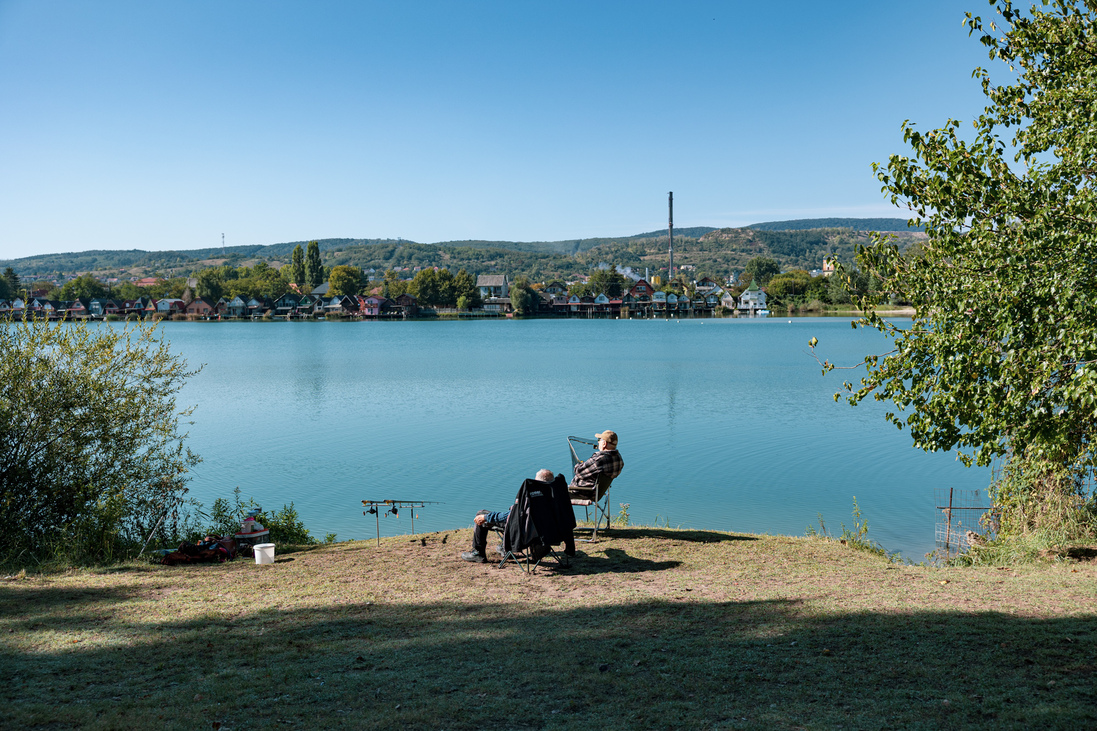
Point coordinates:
[[706, 251]]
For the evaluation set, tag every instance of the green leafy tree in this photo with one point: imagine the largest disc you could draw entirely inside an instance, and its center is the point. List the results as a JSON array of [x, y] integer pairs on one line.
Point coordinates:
[[838, 289], [211, 283], [789, 285], [392, 286], [127, 291], [425, 287], [12, 280], [52, 290], [1001, 356], [297, 266], [761, 270], [270, 283], [91, 452], [523, 298], [85, 285], [345, 280], [582, 289], [447, 291], [174, 288], [464, 286], [609, 282], [314, 270], [434, 288]]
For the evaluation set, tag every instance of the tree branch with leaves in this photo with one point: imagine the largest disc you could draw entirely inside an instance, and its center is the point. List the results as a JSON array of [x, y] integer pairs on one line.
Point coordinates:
[[998, 360]]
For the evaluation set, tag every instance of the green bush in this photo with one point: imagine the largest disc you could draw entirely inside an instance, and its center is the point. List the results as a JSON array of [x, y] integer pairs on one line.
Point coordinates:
[[92, 458], [1041, 508], [1038, 496], [284, 524]]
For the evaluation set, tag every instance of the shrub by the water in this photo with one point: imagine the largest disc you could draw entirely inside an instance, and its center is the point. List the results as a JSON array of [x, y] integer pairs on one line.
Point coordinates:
[[285, 524], [1041, 508], [92, 457]]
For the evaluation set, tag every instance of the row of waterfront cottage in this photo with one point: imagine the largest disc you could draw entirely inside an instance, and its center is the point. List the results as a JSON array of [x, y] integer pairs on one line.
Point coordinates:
[[288, 305], [641, 300]]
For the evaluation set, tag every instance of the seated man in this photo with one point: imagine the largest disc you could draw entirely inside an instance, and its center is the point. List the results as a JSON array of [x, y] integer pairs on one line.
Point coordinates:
[[486, 520], [606, 460]]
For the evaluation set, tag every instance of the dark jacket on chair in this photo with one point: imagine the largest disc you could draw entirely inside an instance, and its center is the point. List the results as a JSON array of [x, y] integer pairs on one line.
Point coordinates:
[[542, 517]]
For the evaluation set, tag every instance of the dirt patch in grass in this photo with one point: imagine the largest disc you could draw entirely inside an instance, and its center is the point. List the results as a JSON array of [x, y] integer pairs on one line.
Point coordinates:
[[648, 628]]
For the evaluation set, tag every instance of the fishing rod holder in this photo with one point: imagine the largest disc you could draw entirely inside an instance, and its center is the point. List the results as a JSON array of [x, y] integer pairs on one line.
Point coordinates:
[[393, 508]]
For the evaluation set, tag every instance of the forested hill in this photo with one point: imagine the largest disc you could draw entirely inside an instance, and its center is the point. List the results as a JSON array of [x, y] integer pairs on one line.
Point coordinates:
[[854, 224], [105, 259], [575, 246], [716, 252]]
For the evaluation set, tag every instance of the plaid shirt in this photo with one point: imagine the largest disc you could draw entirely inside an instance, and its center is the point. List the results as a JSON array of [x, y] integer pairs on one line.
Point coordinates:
[[607, 462]]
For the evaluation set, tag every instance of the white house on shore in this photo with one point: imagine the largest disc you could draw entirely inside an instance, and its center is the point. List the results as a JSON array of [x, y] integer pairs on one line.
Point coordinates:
[[752, 299], [493, 285]]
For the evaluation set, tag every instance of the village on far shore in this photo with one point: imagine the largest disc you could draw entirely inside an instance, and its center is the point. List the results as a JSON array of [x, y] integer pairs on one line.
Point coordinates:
[[783, 266], [644, 298]]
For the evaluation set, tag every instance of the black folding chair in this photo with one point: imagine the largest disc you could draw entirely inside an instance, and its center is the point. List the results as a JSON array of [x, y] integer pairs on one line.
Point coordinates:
[[540, 519]]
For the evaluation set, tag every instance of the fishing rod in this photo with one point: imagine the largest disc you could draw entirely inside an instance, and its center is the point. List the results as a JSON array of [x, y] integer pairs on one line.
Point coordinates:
[[393, 508]]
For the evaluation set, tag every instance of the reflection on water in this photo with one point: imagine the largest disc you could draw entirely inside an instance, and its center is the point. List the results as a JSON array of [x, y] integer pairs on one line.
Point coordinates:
[[724, 424]]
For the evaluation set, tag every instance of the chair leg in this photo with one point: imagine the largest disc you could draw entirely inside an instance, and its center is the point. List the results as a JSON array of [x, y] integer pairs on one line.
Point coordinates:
[[586, 518], [601, 511]]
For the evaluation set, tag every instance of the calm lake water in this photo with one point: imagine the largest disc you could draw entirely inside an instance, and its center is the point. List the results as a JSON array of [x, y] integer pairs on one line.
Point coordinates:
[[724, 424]]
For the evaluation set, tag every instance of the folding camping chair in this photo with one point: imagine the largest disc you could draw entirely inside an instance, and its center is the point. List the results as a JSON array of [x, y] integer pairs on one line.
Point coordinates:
[[540, 519], [596, 502]]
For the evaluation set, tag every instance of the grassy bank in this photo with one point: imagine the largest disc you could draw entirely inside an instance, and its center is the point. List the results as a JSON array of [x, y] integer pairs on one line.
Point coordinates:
[[650, 628]]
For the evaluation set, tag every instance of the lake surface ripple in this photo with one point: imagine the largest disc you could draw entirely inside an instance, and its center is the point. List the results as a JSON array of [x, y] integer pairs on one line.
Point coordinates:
[[724, 424]]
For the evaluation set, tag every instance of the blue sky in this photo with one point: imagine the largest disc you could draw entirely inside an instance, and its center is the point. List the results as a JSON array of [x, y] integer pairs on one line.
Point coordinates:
[[161, 125]]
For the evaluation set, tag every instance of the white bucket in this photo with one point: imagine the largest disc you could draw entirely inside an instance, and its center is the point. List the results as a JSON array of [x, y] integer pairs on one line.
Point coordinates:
[[264, 553]]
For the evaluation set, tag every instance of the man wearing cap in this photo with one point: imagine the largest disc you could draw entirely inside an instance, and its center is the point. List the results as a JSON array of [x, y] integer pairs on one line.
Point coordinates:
[[605, 461]]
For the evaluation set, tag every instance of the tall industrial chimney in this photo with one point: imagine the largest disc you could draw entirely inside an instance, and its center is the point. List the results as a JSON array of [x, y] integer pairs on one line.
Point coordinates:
[[670, 236]]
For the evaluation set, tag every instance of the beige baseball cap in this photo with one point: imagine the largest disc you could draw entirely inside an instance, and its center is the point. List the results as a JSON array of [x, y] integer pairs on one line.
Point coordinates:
[[609, 436]]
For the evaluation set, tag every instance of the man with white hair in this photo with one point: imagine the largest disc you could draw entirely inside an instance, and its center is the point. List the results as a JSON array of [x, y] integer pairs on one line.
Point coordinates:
[[486, 520]]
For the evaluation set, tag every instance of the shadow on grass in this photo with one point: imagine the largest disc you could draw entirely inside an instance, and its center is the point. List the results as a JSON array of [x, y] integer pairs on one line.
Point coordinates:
[[615, 561], [691, 536], [28, 606], [1082, 553], [648, 663]]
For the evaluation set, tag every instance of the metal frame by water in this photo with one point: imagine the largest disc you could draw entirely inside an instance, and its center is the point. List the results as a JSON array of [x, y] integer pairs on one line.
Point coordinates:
[[957, 512], [394, 507]]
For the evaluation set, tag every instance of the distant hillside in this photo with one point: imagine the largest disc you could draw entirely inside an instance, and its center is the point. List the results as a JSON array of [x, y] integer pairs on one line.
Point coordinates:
[[693, 232], [723, 251], [103, 261], [546, 247], [855, 224], [716, 252], [537, 265]]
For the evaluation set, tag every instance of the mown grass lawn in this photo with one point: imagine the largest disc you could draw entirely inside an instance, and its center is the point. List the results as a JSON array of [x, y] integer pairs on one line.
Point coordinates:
[[649, 628]]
